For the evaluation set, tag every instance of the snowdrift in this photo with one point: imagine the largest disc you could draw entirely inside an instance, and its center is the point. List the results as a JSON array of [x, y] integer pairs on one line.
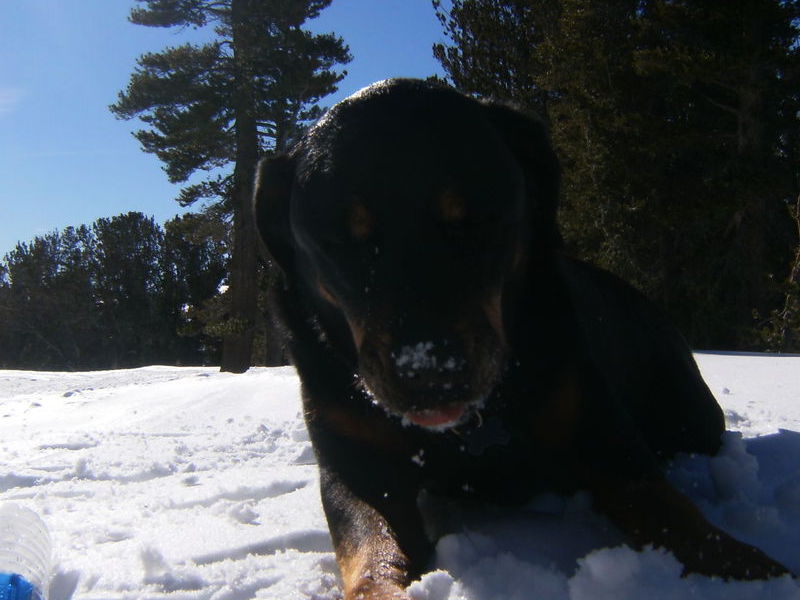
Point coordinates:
[[188, 483]]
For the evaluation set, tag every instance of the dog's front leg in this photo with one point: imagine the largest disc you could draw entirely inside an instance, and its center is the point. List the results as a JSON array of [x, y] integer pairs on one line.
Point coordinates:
[[377, 533], [653, 512]]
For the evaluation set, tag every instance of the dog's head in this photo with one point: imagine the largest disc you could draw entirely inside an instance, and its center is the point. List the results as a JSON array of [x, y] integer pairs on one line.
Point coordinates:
[[406, 216]]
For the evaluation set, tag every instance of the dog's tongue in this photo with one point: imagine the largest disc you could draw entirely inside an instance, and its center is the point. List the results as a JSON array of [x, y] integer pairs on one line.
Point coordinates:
[[437, 417]]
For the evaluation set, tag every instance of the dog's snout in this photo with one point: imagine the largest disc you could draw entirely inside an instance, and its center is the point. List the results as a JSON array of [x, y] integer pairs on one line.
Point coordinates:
[[429, 364]]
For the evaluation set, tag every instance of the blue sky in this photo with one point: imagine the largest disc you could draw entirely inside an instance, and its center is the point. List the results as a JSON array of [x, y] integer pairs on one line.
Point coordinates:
[[65, 160]]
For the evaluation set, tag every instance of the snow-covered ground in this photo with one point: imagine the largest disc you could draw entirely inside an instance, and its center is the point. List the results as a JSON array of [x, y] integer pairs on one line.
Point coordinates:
[[187, 483]]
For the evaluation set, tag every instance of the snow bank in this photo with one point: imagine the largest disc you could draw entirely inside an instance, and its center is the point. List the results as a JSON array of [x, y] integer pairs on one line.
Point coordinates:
[[188, 483]]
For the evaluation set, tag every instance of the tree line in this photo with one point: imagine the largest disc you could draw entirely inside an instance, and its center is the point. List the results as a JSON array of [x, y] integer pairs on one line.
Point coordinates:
[[677, 123], [121, 292], [678, 126]]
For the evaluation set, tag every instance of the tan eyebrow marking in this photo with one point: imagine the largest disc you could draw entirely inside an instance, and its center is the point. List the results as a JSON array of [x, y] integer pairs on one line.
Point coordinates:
[[360, 221], [452, 207]]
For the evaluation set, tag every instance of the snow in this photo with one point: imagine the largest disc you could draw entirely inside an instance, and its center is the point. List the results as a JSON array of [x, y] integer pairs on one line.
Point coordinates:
[[185, 483], [421, 357]]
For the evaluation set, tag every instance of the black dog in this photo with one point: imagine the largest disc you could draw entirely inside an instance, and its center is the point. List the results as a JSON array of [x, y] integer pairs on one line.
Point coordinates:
[[445, 343]]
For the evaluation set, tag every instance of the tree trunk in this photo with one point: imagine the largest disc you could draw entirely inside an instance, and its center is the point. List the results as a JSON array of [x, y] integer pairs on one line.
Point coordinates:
[[238, 343]]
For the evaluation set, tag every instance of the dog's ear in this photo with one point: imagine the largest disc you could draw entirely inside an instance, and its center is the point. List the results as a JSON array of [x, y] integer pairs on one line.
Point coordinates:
[[527, 138], [273, 189]]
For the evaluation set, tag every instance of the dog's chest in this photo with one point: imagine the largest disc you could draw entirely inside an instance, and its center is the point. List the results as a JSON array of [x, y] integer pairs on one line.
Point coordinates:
[[491, 462]]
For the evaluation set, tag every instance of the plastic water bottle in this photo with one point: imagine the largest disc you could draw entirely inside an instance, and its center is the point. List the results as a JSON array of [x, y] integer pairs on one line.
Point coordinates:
[[25, 553]]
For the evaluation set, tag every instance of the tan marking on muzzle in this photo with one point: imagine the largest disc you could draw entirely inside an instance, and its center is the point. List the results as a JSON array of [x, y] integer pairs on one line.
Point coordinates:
[[327, 294], [493, 309], [356, 326], [357, 331]]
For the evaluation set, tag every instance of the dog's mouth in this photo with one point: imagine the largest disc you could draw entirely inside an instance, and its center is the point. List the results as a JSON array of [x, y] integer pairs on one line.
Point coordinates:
[[442, 418], [437, 382], [435, 412], [433, 399]]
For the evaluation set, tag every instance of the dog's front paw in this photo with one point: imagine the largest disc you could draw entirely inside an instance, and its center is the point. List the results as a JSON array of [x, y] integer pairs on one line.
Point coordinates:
[[728, 558], [370, 589]]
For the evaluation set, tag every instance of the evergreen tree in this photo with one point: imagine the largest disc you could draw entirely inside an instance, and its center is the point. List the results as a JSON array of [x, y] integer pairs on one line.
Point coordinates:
[[128, 287], [121, 293], [730, 116], [677, 127], [495, 48], [247, 92], [7, 337], [193, 267], [30, 326], [782, 330], [47, 306]]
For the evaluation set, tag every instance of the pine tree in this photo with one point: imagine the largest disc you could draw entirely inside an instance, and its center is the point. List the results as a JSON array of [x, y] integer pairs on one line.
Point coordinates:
[[127, 281], [495, 47], [193, 266], [677, 127], [727, 78], [47, 305], [122, 292], [247, 92]]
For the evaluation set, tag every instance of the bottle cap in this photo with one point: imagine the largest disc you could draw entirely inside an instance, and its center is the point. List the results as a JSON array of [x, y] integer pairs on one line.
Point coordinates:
[[16, 587]]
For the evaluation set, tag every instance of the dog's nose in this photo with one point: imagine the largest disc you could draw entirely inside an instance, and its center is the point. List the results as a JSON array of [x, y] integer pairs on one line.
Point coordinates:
[[431, 366]]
